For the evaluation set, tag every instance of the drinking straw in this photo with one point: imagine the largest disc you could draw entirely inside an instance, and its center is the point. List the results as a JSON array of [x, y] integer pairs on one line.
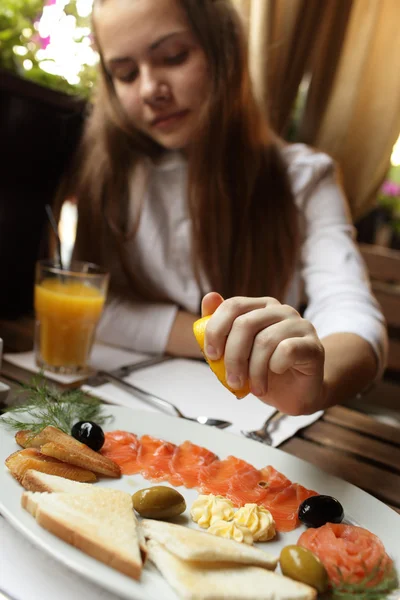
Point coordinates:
[[55, 229]]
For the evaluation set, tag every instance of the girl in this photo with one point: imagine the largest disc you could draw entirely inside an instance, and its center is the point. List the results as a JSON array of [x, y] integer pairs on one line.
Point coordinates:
[[183, 189]]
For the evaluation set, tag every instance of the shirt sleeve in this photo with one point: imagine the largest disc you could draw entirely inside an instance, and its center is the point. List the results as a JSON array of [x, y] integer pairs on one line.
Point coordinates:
[[135, 325], [334, 274]]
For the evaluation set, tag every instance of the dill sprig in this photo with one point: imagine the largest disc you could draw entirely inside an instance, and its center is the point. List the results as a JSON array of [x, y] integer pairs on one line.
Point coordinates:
[[363, 590], [45, 405]]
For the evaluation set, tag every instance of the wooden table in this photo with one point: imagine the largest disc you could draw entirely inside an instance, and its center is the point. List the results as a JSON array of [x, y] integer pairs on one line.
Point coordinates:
[[344, 442]]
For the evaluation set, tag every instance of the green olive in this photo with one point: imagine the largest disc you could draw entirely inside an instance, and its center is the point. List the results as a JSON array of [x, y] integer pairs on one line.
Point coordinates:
[[302, 565], [158, 502]]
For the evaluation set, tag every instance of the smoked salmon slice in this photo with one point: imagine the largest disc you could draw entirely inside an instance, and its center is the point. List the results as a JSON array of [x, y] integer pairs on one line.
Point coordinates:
[[154, 458], [251, 486], [232, 478], [123, 438], [196, 467], [215, 479], [244, 487], [284, 505], [122, 447], [350, 554], [274, 480], [188, 463]]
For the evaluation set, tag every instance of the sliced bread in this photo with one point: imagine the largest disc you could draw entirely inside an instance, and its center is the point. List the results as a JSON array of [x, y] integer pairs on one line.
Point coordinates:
[[35, 481], [219, 581], [101, 523], [193, 545]]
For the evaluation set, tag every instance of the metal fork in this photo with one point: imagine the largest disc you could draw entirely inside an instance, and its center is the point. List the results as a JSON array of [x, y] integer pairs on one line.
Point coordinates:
[[262, 435], [160, 402]]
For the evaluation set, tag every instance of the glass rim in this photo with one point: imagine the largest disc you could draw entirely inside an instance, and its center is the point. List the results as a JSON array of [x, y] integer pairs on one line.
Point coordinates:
[[53, 266]]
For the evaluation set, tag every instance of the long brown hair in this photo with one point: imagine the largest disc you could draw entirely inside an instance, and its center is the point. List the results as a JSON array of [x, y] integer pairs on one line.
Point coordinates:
[[244, 220]]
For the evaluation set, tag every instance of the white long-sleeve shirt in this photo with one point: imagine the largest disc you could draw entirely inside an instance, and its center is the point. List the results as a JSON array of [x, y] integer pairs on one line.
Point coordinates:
[[329, 266]]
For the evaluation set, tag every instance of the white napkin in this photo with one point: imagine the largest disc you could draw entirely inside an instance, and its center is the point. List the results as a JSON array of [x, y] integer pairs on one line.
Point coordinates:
[[103, 356], [194, 389]]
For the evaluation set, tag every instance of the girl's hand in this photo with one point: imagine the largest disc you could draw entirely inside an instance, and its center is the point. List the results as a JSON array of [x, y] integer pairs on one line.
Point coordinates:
[[272, 346]]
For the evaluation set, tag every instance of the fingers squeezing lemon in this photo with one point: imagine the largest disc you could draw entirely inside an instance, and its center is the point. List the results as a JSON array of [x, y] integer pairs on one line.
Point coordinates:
[[217, 366]]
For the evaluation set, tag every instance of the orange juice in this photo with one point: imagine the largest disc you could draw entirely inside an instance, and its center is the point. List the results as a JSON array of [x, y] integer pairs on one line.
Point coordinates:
[[67, 313]]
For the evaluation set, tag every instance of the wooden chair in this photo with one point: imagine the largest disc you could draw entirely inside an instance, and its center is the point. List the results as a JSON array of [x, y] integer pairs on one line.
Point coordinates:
[[384, 269], [383, 265]]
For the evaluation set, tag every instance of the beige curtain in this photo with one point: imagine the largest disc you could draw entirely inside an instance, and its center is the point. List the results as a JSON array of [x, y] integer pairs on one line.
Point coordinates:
[[281, 42], [350, 51], [361, 120]]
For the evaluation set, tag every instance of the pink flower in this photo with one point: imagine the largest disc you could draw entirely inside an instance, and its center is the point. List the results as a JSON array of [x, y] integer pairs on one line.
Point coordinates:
[[390, 188], [44, 42]]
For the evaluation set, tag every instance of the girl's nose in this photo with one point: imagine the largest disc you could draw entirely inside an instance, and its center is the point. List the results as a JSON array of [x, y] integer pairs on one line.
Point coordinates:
[[153, 90]]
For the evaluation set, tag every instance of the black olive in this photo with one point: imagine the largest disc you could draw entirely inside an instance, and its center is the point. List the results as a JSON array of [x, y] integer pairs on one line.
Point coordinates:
[[88, 433], [318, 510]]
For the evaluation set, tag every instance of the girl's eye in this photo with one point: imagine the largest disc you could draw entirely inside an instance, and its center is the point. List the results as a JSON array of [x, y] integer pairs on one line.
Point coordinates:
[[127, 77], [176, 59]]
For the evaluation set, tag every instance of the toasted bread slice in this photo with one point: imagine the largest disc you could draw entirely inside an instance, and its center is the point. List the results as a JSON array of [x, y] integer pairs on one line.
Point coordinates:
[[193, 545], [101, 523], [30, 501], [54, 442], [37, 481], [219, 581], [31, 458]]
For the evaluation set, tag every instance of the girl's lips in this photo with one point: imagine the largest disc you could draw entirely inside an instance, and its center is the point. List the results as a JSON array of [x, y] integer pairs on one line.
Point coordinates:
[[169, 120]]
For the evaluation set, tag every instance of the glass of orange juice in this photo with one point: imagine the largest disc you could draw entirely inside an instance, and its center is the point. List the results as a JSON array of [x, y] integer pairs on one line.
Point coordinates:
[[68, 305]]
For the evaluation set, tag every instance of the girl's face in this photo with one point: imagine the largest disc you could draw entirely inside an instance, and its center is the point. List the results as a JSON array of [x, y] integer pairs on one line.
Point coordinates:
[[157, 66]]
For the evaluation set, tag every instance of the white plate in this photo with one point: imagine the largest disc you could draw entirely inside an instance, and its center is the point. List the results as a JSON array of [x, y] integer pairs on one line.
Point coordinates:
[[359, 506]]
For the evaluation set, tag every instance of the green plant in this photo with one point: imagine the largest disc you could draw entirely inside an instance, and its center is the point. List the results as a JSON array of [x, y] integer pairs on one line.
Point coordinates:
[[16, 20], [20, 46], [46, 406]]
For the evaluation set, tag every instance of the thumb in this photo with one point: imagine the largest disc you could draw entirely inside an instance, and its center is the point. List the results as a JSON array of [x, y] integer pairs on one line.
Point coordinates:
[[210, 303]]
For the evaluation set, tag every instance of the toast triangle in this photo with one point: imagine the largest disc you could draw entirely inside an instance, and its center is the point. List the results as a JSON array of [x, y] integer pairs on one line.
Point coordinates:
[[102, 524], [219, 581], [193, 545], [36, 481]]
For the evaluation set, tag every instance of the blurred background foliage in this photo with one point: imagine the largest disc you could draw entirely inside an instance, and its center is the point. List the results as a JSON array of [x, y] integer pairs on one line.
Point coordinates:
[[49, 42]]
